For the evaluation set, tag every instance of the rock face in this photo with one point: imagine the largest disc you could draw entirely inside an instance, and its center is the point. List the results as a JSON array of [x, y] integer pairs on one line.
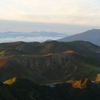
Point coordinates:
[[23, 89], [92, 36]]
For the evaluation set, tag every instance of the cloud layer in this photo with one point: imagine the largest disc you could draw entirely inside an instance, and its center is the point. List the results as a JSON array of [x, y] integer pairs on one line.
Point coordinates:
[[29, 37], [77, 12]]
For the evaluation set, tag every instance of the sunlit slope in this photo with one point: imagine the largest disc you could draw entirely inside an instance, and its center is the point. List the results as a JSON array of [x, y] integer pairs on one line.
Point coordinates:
[[78, 83], [10, 81]]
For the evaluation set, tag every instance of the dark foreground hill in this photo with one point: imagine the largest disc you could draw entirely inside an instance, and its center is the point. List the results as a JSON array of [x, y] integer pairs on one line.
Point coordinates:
[[23, 89], [90, 35], [49, 67]]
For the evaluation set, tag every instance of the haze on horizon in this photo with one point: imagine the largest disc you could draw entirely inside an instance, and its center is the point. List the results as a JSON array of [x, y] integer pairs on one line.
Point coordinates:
[[61, 16]]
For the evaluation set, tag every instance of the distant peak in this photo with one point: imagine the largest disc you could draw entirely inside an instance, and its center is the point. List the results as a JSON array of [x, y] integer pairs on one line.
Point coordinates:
[[94, 29]]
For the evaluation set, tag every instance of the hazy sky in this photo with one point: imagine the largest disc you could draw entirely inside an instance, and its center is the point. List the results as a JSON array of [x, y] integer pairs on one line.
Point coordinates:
[[68, 16]]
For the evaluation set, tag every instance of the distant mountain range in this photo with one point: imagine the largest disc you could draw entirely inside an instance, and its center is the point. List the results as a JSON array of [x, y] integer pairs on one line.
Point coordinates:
[[92, 36], [32, 34]]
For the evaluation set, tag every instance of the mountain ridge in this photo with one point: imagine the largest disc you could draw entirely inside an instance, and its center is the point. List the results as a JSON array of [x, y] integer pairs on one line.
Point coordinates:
[[90, 35], [22, 48], [50, 67], [24, 89], [49, 61]]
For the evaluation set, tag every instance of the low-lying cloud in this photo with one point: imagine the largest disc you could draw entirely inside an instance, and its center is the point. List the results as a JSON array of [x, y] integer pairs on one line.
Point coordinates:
[[30, 37], [27, 39]]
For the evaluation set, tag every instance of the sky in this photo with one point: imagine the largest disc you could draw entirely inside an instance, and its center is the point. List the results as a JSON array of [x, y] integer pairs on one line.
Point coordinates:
[[64, 16]]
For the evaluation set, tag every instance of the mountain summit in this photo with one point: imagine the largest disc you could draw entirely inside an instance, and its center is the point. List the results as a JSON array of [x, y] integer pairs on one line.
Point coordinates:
[[90, 35]]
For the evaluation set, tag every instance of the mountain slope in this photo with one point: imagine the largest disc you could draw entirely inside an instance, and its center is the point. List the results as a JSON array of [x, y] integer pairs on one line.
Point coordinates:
[[49, 67], [49, 61], [91, 36]]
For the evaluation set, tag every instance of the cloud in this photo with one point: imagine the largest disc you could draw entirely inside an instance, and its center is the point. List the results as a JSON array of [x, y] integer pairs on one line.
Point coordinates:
[[77, 12], [27, 39], [29, 36], [18, 26]]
